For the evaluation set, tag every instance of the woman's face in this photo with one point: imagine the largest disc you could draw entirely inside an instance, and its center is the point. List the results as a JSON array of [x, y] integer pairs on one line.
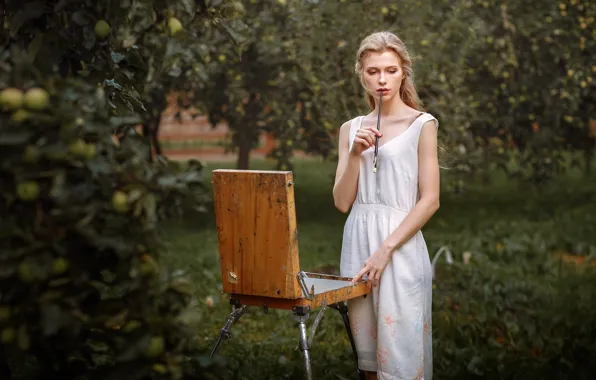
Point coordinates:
[[382, 72]]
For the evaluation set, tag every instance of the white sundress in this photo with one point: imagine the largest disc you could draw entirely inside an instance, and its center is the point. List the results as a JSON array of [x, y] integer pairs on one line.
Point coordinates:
[[391, 329]]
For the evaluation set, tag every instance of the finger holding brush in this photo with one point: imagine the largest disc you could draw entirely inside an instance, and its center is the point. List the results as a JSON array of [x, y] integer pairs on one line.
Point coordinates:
[[364, 139]]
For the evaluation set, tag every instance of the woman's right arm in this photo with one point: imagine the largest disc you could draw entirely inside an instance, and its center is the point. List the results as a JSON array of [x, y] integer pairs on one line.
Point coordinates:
[[348, 165]]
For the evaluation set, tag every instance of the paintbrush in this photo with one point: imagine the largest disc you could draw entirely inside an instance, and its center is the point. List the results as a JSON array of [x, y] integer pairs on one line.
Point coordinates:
[[375, 158]]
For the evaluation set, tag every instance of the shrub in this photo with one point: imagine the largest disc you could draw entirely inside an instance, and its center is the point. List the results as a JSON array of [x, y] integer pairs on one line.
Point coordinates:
[[82, 292]]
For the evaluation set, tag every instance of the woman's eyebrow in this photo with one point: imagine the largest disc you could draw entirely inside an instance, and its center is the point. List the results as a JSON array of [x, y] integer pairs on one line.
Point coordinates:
[[387, 67]]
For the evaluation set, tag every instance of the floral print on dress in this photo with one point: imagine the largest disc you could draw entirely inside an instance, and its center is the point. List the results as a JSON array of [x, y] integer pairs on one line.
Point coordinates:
[[391, 322], [382, 356]]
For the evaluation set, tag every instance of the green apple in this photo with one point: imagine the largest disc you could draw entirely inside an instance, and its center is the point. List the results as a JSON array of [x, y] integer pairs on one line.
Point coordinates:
[[102, 29], [11, 98], [60, 265], [174, 25], [28, 190], [37, 99], [156, 347], [120, 202]]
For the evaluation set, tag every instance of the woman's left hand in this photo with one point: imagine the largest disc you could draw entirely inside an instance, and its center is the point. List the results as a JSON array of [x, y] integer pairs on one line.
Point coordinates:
[[374, 267]]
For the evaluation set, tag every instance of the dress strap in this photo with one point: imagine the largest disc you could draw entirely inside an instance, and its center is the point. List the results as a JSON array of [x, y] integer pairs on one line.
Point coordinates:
[[354, 126], [421, 121], [428, 117]]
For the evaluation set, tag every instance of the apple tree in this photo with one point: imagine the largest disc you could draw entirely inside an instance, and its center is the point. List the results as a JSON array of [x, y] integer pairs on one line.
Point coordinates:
[[519, 76], [262, 83], [83, 292]]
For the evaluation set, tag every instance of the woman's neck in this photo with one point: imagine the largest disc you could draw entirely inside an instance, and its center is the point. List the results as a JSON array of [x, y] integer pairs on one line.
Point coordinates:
[[394, 106]]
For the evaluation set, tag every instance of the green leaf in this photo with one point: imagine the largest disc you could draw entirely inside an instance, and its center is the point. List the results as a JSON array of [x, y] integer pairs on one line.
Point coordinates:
[[235, 29], [52, 319], [174, 47], [23, 338], [15, 137], [135, 60], [134, 349], [82, 18], [188, 6], [117, 320], [89, 37], [121, 121], [35, 45], [97, 346], [150, 207], [128, 73], [58, 183], [100, 166]]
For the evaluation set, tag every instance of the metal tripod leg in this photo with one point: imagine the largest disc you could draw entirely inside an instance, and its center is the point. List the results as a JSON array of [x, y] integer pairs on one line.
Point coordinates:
[[301, 316], [343, 310], [225, 334]]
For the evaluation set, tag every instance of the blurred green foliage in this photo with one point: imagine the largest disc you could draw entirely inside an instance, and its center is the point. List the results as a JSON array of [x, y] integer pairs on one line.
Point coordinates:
[[511, 83]]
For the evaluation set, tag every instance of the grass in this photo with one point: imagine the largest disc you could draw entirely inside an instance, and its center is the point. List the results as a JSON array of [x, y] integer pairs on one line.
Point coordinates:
[[517, 241]]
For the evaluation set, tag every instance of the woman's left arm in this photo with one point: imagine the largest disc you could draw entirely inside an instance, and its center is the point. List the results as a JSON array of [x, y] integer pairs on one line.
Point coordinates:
[[428, 182], [428, 204]]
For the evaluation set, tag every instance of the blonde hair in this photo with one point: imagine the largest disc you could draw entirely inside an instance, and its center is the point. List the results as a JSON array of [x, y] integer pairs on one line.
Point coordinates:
[[379, 42]]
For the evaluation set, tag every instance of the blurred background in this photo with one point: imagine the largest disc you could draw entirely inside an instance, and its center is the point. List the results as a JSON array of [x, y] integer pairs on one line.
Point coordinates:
[[114, 113]]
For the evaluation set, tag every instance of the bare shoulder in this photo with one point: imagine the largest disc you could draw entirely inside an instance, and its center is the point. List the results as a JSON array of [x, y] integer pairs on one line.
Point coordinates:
[[347, 124], [431, 120], [343, 136], [428, 134], [344, 130]]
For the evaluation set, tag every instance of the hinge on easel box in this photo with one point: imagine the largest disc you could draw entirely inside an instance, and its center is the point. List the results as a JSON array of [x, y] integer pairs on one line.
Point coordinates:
[[301, 276]]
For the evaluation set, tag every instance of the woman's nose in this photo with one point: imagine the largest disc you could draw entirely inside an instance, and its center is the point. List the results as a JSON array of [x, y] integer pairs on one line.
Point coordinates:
[[382, 79]]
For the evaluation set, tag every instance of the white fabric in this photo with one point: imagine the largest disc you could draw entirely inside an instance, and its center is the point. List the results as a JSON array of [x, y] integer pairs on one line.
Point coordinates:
[[392, 329]]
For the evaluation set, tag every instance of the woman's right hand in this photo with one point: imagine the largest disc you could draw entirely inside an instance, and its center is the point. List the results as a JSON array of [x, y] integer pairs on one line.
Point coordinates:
[[364, 139]]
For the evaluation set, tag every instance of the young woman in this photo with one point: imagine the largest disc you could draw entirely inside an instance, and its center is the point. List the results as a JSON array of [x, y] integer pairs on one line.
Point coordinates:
[[382, 241]]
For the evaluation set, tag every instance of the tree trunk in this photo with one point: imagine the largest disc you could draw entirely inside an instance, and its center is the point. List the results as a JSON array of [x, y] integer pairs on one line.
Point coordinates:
[[146, 130], [243, 153], [248, 131], [155, 137]]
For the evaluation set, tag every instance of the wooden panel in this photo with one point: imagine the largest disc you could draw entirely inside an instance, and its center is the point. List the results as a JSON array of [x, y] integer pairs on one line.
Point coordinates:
[[272, 303], [338, 295], [256, 224], [330, 297]]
